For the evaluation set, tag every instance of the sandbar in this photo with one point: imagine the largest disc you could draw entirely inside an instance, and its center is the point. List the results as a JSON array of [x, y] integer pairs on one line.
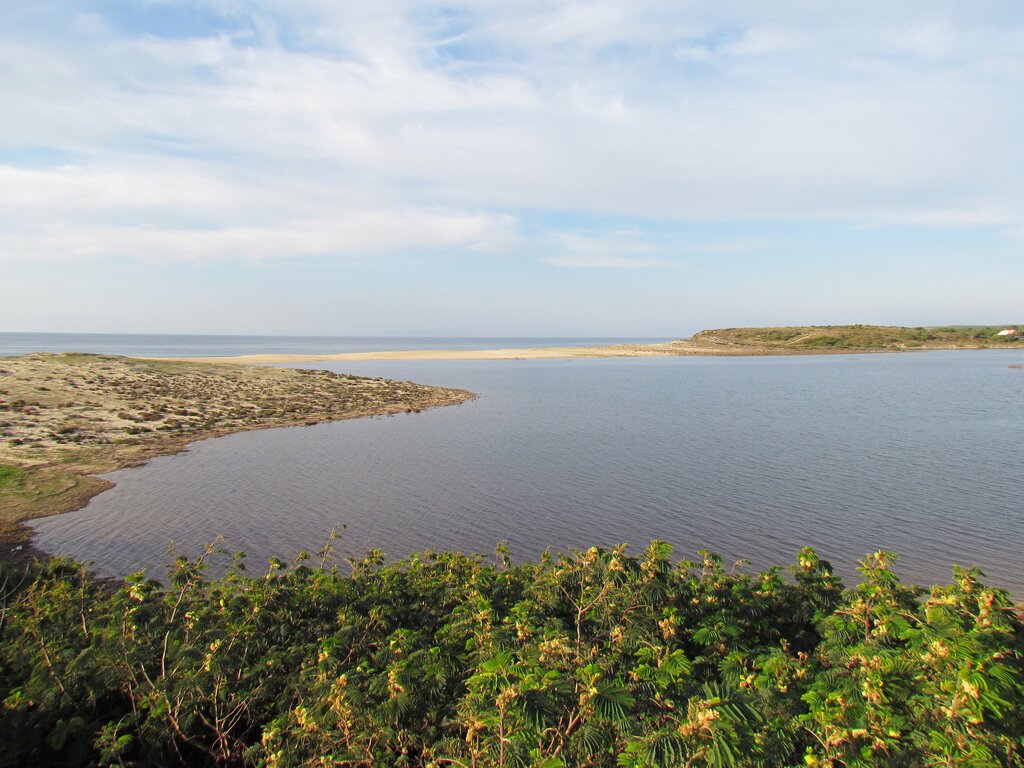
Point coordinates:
[[728, 342]]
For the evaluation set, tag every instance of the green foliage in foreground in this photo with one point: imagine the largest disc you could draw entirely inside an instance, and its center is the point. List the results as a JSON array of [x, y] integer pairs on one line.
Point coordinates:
[[595, 658]]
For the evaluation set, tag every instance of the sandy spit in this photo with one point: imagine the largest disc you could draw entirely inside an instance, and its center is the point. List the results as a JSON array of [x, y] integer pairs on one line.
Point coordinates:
[[534, 353]]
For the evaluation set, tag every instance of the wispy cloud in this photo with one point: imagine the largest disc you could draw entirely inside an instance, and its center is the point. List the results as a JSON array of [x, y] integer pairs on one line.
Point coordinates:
[[562, 107], [955, 217], [606, 262], [621, 249], [731, 246], [227, 129], [350, 235]]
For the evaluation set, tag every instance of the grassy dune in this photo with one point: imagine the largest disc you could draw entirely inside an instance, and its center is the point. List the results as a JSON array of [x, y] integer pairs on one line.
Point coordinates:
[[824, 338], [65, 418]]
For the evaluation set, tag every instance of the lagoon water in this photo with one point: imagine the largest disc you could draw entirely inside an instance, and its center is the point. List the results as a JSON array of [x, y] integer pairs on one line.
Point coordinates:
[[750, 457]]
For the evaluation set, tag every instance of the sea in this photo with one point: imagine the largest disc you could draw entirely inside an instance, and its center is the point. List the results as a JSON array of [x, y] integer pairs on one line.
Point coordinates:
[[172, 345], [750, 457]]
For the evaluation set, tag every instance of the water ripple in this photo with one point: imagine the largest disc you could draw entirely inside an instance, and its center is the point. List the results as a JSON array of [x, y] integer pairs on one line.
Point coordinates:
[[752, 457]]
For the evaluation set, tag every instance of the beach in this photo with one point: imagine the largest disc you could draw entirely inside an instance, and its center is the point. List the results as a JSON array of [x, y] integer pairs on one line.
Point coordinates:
[[802, 340], [527, 353]]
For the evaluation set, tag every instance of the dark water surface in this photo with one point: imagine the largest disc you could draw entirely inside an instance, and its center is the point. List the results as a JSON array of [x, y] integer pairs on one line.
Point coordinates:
[[751, 457]]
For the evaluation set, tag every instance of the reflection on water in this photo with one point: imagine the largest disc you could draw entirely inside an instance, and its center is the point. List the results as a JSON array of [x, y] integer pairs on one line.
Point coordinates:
[[750, 457]]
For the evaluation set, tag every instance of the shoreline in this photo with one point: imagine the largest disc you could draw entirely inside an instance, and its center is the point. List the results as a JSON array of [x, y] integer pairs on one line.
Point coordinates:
[[61, 441], [683, 348], [524, 353], [68, 418]]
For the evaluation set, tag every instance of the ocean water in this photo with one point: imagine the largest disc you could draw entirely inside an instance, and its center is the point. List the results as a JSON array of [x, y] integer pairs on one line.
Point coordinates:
[[161, 345], [753, 458]]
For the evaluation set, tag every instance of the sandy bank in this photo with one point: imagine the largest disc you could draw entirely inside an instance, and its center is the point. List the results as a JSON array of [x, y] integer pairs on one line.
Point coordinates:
[[732, 342], [528, 353], [64, 418]]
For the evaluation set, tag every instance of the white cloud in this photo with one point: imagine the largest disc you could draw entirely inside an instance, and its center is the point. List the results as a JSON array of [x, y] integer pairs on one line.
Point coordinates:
[[177, 210], [352, 234], [74, 190], [733, 246], [954, 217], [933, 40], [605, 262], [392, 115], [760, 41], [623, 249]]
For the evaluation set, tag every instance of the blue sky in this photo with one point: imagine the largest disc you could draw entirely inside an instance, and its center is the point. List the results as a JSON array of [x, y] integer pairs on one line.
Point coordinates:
[[617, 167]]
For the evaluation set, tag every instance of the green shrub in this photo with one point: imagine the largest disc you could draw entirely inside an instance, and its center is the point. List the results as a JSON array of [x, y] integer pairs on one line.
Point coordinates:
[[592, 658]]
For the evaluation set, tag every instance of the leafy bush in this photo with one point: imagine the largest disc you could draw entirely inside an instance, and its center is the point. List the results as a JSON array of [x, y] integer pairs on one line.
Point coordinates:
[[827, 341], [593, 658]]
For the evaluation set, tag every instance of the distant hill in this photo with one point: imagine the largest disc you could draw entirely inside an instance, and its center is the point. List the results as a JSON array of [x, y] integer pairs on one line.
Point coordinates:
[[861, 337]]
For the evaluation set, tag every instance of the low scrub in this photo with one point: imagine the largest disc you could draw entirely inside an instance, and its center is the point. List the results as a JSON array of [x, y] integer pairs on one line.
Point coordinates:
[[594, 658]]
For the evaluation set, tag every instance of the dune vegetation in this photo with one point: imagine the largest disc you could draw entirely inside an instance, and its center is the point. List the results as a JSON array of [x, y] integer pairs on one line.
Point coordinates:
[[593, 658], [818, 338]]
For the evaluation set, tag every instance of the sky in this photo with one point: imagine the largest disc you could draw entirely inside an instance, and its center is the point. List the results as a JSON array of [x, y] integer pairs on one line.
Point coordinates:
[[627, 168]]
